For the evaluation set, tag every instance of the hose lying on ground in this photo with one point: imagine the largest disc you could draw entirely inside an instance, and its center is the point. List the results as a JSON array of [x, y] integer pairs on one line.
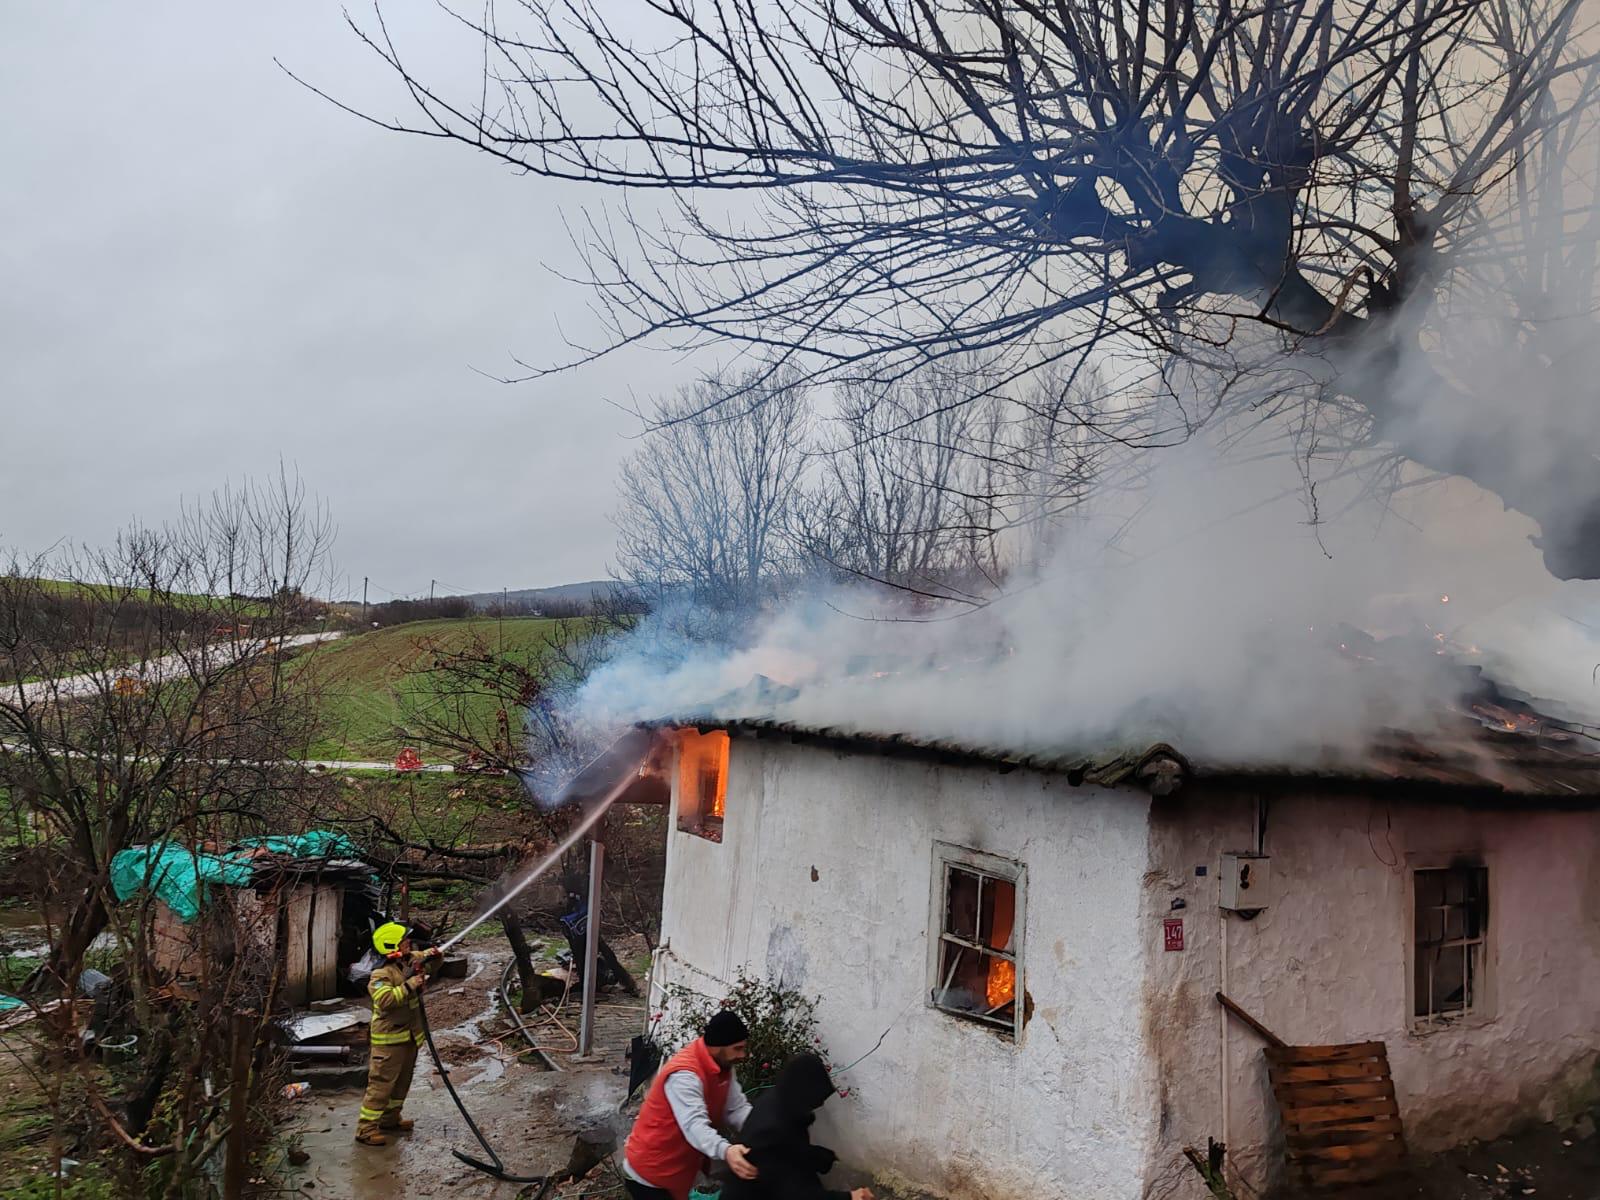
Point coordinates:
[[516, 1017], [494, 1167]]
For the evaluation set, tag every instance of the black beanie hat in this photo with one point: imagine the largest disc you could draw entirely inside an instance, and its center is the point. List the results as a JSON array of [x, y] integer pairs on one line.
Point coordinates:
[[725, 1029]]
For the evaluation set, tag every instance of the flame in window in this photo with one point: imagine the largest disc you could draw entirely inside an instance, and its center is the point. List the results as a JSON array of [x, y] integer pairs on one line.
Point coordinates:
[[703, 774], [715, 789], [1001, 985]]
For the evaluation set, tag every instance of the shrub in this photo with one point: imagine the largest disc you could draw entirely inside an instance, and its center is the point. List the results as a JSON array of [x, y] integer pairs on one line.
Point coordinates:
[[781, 1020]]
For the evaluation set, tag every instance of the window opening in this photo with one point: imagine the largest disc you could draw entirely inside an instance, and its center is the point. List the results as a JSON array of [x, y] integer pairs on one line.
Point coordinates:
[[702, 782], [978, 972], [1452, 921]]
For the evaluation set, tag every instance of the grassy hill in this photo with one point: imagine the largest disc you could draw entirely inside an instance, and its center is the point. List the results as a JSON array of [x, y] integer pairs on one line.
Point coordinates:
[[370, 682], [112, 593]]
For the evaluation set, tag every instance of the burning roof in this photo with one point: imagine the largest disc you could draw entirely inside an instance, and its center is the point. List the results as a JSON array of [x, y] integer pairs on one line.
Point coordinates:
[[1491, 743]]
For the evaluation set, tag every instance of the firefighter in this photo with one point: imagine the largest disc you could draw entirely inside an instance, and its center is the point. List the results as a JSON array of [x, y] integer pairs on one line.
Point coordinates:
[[396, 1032]]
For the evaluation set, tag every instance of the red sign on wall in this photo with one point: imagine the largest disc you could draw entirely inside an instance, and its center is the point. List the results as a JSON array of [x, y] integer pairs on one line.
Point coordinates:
[[1172, 932]]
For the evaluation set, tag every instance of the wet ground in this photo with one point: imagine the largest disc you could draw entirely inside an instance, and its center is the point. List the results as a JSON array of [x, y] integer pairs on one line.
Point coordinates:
[[528, 1114], [1549, 1162]]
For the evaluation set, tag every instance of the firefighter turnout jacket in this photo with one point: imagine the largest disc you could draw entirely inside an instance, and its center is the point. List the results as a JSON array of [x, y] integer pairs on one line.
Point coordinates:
[[396, 1011]]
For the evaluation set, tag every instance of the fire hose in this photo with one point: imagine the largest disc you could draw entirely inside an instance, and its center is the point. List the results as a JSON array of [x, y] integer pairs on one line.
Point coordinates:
[[516, 1017], [494, 1166]]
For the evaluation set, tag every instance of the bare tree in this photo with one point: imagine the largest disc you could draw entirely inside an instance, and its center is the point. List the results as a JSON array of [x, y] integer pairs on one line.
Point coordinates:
[[504, 709], [150, 697], [1032, 180], [1066, 442], [706, 499], [925, 488], [507, 710], [151, 673], [899, 473]]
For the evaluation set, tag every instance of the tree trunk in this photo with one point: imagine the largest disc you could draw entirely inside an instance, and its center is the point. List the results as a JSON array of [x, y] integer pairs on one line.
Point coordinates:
[[524, 956], [236, 1165], [61, 969]]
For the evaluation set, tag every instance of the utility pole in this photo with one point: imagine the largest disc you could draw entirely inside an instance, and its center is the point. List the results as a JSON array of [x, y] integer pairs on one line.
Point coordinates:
[[364, 582], [431, 582], [503, 593]]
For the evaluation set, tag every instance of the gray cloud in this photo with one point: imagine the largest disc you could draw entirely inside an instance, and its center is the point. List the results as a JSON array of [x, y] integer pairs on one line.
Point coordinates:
[[206, 268]]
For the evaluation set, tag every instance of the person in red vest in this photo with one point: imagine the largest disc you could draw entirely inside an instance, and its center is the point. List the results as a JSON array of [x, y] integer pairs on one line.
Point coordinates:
[[694, 1093]]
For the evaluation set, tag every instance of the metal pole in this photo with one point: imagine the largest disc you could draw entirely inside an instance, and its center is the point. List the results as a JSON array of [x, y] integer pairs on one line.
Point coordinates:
[[364, 582], [591, 948]]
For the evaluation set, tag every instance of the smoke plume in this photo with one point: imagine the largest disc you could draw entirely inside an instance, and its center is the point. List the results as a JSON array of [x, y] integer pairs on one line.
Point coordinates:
[[1252, 596], [1218, 617]]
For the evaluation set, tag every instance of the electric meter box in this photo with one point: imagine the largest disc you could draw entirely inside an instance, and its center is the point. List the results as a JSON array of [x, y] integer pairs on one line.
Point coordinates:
[[1246, 882]]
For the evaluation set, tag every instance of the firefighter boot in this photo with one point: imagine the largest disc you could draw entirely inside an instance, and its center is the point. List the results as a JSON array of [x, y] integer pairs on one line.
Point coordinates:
[[386, 1073]]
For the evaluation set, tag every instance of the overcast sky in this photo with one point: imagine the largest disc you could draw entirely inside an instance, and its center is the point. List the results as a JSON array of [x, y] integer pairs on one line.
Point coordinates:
[[206, 268]]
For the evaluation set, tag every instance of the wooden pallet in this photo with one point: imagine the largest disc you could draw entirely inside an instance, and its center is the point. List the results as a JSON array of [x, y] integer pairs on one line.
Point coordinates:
[[1340, 1120]]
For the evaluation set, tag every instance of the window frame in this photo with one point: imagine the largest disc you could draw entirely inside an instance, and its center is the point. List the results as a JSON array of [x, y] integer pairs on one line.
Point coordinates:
[[1481, 1006], [948, 856]]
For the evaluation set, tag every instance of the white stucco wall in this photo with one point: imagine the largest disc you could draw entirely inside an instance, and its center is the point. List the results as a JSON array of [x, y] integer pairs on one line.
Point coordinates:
[[945, 1104], [1328, 962]]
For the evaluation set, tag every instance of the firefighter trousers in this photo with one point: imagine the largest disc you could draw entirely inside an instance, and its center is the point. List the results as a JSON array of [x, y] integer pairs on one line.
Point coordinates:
[[388, 1080]]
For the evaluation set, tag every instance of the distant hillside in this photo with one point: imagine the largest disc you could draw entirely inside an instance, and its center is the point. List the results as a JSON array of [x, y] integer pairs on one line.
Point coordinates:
[[566, 593]]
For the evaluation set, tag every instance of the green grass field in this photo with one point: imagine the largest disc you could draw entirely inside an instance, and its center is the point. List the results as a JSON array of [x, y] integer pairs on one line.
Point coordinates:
[[371, 682], [106, 592]]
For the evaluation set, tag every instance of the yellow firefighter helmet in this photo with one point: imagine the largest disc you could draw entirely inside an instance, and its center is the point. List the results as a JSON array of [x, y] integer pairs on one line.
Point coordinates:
[[386, 938]]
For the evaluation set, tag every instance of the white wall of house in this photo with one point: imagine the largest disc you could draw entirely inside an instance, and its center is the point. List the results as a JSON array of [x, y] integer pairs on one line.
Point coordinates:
[[824, 878], [1329, 961]]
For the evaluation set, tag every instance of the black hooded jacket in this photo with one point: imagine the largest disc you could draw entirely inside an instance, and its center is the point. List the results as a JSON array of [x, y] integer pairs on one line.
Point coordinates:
[[778, 1136]]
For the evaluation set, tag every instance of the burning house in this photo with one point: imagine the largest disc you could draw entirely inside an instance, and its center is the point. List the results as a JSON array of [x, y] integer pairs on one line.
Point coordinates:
[[1024, 949]]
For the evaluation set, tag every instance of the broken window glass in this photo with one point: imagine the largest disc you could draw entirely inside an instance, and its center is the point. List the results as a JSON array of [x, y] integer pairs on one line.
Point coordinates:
[[977, 969], [1451, 919]]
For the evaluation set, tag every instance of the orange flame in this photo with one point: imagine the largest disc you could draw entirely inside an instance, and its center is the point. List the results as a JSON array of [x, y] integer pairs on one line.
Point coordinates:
[[703, 772], [1002, 983], [1000, 987]]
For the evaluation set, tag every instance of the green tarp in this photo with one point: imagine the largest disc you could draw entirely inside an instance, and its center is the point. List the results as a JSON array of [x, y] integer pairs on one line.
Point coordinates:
[[319, 843], [176, 874], [179, 875], [7, 1003]]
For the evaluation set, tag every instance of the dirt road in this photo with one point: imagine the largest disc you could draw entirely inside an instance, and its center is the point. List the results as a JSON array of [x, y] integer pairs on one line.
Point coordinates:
[[154, 670]]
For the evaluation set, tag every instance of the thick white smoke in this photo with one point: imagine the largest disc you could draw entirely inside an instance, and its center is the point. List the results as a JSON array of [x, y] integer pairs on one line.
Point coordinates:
[[1212, 618], [1206, 606]]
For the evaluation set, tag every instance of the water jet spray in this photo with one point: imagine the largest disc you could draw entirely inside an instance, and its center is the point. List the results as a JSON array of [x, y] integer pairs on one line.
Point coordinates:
[[544, 864]]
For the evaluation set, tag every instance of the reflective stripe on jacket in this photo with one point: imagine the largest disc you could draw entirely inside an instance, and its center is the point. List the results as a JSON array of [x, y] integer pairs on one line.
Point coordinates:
[[396, 1015]]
